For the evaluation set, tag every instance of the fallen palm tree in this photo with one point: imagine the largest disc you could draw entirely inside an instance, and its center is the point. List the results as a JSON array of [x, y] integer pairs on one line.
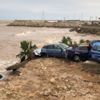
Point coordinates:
[[17, 66], [27, 50], [25, 55]]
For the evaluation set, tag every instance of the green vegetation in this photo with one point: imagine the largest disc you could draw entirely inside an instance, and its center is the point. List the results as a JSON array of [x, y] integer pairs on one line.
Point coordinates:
[[68, 41], [87, 41], [75, 44], [81, 41], [26, 50]]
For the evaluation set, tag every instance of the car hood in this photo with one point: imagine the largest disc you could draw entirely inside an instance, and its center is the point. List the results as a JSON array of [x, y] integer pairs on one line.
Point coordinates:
[[70, 48]]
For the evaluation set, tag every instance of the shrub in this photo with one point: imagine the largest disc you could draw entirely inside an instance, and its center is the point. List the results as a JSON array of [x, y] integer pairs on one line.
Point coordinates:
[[81, 41], [75, 44], [64, 40], [67, 41], [87, 41]]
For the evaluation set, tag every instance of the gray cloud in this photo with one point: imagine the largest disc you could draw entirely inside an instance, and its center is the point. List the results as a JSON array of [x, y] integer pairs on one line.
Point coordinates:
[[53, 9]]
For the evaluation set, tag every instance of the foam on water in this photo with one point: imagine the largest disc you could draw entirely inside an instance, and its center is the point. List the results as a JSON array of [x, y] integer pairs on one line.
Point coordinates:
[[24, 33], [6, 63], [3, 65]]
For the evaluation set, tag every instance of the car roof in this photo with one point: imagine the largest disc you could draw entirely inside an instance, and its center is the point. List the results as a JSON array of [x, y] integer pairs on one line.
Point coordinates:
[[54, 44], [94, 42]]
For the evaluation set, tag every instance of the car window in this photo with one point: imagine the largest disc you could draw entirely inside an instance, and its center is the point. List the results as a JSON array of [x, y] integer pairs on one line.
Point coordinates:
[[57, 47], [45, 47], [83, 48], [49, 47], [96, 46], [64, 46]]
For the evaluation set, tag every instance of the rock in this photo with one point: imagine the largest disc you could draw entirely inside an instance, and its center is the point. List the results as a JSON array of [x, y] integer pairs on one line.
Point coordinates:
[[66, 80], [68, 92], [73, 94], [90, 84], [47, 92], [54, 94], [61, 87], [63, 76], [84, 92], [64, 87], [44, 68], [69, 87], [52, 80]]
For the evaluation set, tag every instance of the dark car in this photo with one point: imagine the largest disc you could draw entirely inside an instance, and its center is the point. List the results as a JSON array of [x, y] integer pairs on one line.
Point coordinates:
[[55, 50], [79, 53], [95, 50]]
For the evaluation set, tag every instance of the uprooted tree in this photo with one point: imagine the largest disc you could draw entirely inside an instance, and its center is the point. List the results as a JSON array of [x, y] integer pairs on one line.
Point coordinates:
[[26, 50]]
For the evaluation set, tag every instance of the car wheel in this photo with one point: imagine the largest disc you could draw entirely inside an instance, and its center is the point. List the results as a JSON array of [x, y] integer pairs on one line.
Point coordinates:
[[44, 55], [76, 58], [2, 77], [84, 60]]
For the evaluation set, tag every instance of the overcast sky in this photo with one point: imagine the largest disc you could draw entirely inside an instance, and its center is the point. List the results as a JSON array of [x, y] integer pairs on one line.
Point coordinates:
[[49, 9]]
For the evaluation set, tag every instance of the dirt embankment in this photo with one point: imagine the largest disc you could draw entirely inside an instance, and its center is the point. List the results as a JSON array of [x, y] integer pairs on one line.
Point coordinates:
[[53, 79], [5, 22], [87, 29], [47, 23]]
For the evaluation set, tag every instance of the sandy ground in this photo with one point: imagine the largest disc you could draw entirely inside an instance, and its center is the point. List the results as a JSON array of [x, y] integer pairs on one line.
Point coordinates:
[[53, 79]]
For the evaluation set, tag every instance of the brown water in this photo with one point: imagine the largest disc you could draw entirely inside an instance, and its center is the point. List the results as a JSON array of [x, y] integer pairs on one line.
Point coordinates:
[[10, 38]]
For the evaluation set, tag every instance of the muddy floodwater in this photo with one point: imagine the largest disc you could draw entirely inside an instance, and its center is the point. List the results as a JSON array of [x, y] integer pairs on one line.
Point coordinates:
[[10, 38]]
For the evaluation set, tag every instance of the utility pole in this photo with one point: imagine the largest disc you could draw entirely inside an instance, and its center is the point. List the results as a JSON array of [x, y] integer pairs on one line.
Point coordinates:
[[90, 18], [43, 15], [64, 19]]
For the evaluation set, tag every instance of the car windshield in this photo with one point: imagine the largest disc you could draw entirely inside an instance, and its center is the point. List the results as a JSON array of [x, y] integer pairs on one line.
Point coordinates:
[[96, 46], [64, 46]]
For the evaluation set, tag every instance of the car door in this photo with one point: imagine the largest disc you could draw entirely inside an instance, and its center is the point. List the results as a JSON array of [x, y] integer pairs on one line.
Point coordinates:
[[57, 51], [50, 50], [83, 51], [95, 51]]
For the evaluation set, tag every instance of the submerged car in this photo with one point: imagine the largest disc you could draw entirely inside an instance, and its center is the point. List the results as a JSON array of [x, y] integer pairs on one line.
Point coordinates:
[[55, 50], [78, 53], [95, 50]]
